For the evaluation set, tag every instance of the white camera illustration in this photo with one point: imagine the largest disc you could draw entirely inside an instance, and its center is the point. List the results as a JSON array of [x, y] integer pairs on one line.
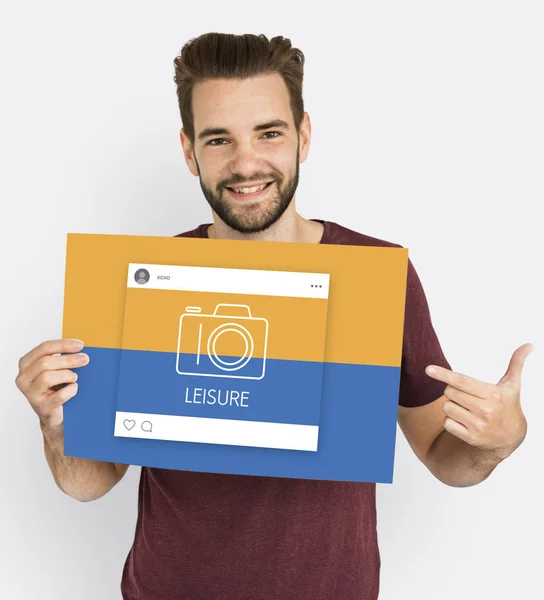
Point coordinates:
[[222, 344]]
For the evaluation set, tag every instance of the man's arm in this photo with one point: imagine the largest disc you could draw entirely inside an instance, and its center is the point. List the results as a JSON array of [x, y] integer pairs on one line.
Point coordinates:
[[463, 435], [447, 457], [47, 380], [83, 479]]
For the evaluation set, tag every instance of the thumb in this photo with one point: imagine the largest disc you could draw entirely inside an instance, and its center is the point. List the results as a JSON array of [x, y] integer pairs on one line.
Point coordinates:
[[512, 376]]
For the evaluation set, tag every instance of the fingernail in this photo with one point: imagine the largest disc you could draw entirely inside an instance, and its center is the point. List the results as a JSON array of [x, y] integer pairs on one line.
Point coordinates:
[[77, 342], [431, 370]]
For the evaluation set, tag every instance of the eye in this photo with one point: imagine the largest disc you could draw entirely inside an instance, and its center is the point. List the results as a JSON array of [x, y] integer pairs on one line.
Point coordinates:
[[211, 142]]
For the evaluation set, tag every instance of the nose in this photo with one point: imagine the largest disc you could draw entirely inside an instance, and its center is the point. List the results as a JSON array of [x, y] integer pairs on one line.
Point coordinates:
[[245, 160]]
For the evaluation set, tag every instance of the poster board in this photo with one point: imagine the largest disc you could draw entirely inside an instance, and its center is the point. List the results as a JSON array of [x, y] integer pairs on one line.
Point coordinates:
[[361, 358]]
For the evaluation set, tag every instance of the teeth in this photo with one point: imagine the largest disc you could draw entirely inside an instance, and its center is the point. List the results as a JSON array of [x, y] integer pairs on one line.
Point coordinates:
[[251, 190]]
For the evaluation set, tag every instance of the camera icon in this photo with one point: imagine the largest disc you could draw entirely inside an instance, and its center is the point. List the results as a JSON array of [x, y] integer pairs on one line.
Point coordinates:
[[222, 344]]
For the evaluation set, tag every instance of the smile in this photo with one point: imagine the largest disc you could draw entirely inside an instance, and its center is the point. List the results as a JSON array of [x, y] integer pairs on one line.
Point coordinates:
[[248, 193]]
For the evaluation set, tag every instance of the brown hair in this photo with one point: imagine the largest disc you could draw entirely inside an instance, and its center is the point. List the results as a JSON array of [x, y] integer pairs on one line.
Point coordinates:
[[230, 56]]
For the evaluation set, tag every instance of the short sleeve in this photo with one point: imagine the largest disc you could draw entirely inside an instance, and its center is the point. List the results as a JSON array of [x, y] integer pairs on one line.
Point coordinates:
[[420, 348]]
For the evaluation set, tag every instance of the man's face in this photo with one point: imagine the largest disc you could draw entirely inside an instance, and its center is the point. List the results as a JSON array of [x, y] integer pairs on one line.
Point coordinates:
[[245, 138]]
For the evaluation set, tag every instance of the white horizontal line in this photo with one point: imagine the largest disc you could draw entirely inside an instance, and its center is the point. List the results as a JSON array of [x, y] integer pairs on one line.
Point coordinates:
[[286, 436], [235, 281]]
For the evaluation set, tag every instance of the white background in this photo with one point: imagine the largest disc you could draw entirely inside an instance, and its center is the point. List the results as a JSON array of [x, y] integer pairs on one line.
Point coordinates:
[[427, 131]]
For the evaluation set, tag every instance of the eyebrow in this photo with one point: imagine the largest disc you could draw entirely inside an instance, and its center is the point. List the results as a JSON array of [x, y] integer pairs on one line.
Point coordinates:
[[276, 123]]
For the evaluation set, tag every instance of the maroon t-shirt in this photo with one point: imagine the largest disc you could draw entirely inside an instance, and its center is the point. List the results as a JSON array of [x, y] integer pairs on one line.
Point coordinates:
[[206, 536]]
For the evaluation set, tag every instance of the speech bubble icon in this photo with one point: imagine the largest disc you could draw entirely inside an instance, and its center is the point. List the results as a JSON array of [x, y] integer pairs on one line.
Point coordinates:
[[147, 426]]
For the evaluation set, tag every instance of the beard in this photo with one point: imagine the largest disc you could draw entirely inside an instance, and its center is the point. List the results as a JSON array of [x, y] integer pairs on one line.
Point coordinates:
[[252, 217]]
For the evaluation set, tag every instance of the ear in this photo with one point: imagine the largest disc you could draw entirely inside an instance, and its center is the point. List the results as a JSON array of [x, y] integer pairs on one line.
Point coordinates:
[[188, 152], [305, 135]]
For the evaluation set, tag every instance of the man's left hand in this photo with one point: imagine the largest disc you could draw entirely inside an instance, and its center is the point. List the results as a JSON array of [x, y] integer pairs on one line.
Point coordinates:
[[484, 415]]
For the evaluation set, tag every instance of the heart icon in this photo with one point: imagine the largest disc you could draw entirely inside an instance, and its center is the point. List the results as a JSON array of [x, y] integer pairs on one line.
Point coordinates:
[[129, 424]]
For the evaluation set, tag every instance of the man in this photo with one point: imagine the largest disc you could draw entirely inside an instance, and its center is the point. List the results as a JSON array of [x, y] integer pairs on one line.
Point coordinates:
[[232, 537]]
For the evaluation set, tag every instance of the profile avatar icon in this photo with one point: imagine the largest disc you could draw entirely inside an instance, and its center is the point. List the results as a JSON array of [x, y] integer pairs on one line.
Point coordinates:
[[142, 276]]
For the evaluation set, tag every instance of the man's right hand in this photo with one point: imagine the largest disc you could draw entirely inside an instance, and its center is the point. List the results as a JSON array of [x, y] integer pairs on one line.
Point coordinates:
[[42, 375], [47, 380]]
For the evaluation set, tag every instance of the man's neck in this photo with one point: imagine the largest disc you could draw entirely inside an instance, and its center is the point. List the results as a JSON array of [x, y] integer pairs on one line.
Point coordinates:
[[289, 228]]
